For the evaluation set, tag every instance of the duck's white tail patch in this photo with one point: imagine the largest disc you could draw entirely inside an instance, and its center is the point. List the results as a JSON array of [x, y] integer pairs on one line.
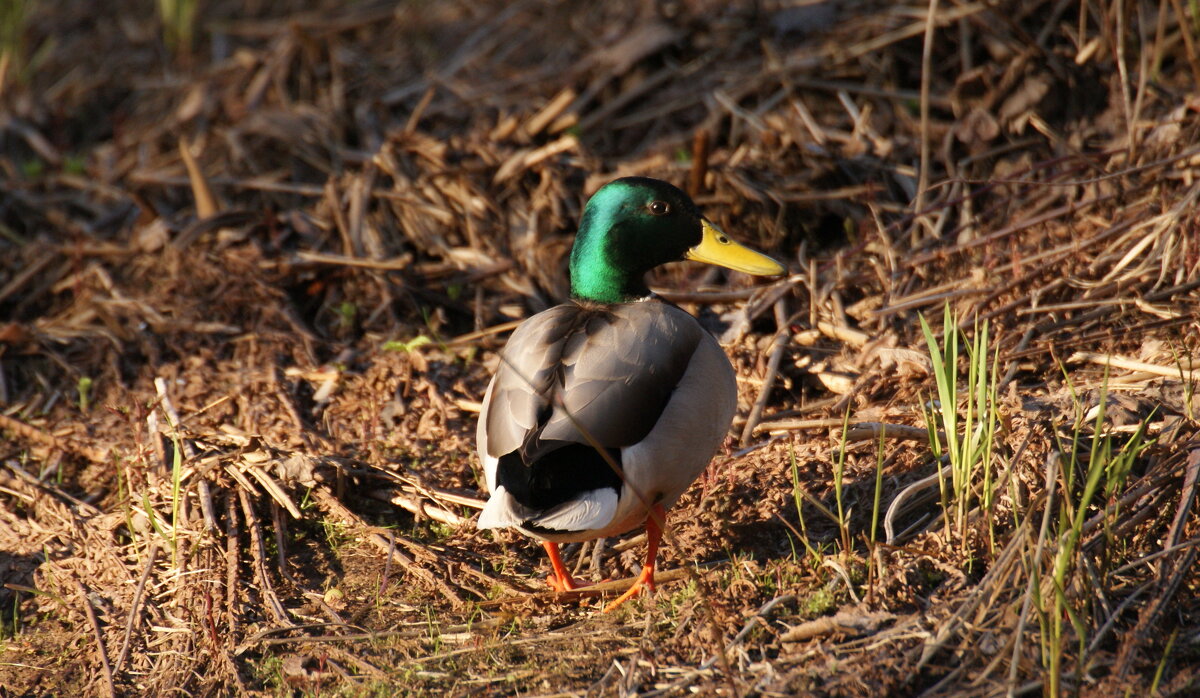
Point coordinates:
[[592, 510], [502, 510]]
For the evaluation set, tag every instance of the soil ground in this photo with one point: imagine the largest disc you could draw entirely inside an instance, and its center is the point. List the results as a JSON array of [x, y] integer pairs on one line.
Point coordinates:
[[254, 278]]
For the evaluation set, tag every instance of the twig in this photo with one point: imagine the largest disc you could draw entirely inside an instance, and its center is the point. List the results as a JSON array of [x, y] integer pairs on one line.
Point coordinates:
[[553, 109], [274, 489], [91, 616], [418, 506], [486, 332], [926, 79], [862, 431], [915, 28], [206, 505], [279, 526], [231, 562], [1186, 376], [136, 607], [258, 553], [842, 333], [782, 425], [1189, 45], [206, 202], [404, 261], [895, 508], [780, 348], [844, 622]]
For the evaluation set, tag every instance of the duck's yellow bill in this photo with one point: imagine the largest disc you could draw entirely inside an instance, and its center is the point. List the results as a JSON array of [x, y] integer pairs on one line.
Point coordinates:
[[718, 248]]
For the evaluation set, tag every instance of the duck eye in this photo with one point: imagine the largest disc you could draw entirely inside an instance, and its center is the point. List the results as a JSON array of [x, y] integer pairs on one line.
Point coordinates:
[[658, 208]]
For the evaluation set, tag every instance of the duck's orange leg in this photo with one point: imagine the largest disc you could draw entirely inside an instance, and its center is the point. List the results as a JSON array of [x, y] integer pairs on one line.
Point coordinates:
[[654, 523], [561, 580]]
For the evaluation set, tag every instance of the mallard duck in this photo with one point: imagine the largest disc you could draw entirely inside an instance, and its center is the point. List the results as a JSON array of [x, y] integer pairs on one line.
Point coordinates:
[[605, 409]]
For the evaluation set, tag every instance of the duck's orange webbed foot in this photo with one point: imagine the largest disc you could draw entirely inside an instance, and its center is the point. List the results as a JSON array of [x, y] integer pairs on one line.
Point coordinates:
[[645, 579], [654, 525], [560, 579]]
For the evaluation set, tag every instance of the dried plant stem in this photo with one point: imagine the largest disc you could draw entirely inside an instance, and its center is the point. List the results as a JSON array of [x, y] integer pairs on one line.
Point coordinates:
[[780, 346], [98, 637], [926, 79], [259, 556], [135, 608]]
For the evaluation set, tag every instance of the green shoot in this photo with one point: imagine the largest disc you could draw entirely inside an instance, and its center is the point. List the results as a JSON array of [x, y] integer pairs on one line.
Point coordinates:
[[84, 387], [34, 591], [968, 443], [1186, 374], [875, 504], [1162, 663], [16, 615], [839, 472], [179, 24], [125, 496], [154, 520], [346, 313], [878, 485], [1102, 466], [14, 17], [407, 347], [798, 498], [176, 474]]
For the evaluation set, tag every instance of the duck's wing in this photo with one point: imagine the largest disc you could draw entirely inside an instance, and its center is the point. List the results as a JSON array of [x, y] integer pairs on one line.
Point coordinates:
[[573, 379], [598, 376]]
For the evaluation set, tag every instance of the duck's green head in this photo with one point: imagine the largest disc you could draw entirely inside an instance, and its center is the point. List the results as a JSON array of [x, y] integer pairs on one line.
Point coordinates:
[[634, 224]]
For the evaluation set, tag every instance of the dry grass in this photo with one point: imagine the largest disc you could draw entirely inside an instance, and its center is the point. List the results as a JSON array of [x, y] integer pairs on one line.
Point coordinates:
[[251, 290]]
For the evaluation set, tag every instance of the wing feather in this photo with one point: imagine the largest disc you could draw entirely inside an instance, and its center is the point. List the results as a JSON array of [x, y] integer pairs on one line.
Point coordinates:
[[577, 374]]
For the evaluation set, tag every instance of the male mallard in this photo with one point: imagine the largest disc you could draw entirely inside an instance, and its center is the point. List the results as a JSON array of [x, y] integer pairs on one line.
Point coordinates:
[[605, 409]]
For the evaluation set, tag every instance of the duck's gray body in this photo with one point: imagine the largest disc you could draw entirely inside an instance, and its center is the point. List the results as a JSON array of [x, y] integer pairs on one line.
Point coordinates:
[[641, 381]]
